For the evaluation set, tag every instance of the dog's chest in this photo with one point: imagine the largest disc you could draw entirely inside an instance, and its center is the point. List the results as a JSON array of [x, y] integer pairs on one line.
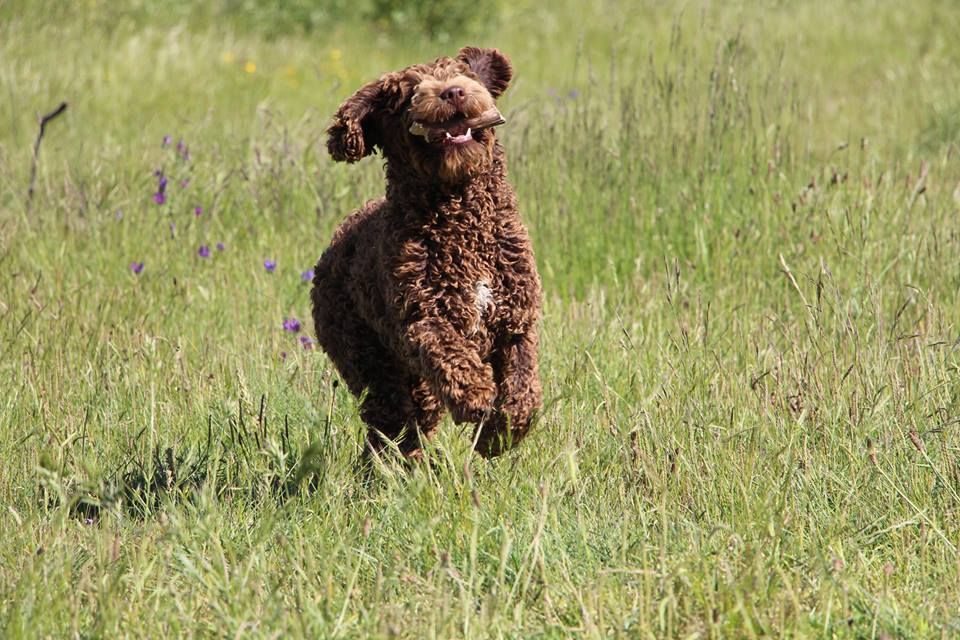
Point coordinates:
[[484, 305], [466, 271]]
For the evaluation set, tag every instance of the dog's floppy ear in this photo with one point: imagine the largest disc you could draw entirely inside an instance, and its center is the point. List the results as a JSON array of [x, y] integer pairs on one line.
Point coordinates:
[[352, 135], [491, 66]]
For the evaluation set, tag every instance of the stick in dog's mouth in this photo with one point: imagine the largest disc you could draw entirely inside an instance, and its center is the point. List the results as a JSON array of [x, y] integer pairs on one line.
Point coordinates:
[[458, 131]]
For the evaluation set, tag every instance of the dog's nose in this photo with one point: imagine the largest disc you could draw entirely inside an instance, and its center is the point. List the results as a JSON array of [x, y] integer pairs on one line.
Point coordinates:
[[453, 95]]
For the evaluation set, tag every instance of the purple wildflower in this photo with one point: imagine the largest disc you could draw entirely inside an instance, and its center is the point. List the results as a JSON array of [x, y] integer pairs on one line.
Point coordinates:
[[173, 230], [573, 94], [185, 183], [291, 324], [221, 246], [270, 265], [306, 341], [283, 355], [307, 275], [136, 267], [183, 150], [119, 214], [161, 195], [203, 251], [197, 210], [167, 140]]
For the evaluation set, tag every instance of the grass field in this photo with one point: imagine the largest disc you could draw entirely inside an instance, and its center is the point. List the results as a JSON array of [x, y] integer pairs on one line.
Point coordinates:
[[747, 220]]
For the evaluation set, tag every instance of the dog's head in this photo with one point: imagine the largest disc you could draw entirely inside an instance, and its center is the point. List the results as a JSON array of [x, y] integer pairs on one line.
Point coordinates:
[[435, 120]]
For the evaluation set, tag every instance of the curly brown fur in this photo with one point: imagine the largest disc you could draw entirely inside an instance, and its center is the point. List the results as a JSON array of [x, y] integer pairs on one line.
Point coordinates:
[[428, 299]]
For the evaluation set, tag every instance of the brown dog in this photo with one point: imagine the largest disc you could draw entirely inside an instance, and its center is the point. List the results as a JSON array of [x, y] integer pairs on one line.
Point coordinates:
[[429, 298]]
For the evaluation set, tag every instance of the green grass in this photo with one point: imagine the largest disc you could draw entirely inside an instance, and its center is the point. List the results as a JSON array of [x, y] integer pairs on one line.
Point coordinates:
[[746, 219]]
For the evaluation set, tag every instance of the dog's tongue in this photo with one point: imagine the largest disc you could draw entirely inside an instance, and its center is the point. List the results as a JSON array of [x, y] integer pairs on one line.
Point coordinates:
[[456, 129], [466, 137]]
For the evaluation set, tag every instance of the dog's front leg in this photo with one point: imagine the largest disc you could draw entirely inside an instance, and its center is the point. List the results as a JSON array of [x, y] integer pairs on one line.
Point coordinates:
[[453, 367], [521, 395]]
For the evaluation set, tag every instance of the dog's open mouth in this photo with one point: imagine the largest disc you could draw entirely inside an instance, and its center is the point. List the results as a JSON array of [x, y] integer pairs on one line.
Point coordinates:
[[457, 130]]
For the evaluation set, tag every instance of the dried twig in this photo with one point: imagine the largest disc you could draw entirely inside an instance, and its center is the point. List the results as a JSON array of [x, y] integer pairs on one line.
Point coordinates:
[[785, 268], [920, 186], [36, 146]]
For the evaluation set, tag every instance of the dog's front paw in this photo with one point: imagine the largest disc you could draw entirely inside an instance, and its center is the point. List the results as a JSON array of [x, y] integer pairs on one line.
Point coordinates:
[[471, 400]]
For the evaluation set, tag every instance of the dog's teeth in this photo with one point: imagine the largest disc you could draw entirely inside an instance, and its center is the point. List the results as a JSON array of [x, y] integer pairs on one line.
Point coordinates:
[[467, 134], [448, 135]]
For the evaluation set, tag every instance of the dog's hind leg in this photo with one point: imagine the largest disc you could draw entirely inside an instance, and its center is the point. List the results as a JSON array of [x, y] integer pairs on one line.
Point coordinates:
[[359, 357], [396, 406], [400, 410]]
